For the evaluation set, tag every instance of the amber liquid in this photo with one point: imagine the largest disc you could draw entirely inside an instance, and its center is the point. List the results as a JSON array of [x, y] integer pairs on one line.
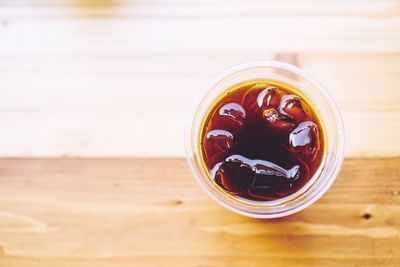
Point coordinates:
[[261, 141]]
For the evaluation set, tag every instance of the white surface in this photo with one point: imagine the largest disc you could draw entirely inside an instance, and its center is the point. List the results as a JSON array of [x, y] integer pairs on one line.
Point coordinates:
[[117, 79]]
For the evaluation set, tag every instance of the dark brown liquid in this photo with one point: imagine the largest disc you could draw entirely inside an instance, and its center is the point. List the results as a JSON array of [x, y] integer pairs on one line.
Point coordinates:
[[261, 141]]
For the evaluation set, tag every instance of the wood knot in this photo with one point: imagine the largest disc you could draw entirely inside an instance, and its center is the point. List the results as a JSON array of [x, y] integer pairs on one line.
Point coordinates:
[[178, 202], [367, 216]]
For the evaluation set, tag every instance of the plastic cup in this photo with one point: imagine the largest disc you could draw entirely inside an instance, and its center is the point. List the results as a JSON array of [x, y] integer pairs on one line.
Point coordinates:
[[310, 89]]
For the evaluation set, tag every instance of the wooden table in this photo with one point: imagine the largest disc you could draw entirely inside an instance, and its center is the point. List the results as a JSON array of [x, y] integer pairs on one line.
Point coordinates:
[[150, 212], [100, 90]]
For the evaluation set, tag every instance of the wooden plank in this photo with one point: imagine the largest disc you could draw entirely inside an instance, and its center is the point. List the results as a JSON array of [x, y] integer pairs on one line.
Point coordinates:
[[88, 107], [186, 34], [205, 8], [150, 211]]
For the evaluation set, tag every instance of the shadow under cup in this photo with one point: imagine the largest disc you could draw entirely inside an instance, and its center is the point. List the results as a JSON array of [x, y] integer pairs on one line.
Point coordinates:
[[314, 93]]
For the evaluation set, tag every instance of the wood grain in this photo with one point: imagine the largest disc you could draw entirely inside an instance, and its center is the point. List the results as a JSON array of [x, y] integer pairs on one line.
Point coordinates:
[[150, 212], [96, 78]]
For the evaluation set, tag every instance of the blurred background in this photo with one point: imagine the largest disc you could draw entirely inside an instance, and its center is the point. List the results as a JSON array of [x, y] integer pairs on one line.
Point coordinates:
[[116, 77]]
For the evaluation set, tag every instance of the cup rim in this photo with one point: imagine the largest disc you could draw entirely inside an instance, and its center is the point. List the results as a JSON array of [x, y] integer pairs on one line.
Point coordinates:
[[189, 146]]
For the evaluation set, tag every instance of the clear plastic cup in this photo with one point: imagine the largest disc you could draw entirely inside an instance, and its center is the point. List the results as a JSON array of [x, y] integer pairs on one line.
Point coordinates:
[[309, 88]]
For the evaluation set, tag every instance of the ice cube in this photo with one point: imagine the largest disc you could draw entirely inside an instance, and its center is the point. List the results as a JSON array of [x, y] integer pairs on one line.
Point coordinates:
[[230, 117], [303, 140]]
